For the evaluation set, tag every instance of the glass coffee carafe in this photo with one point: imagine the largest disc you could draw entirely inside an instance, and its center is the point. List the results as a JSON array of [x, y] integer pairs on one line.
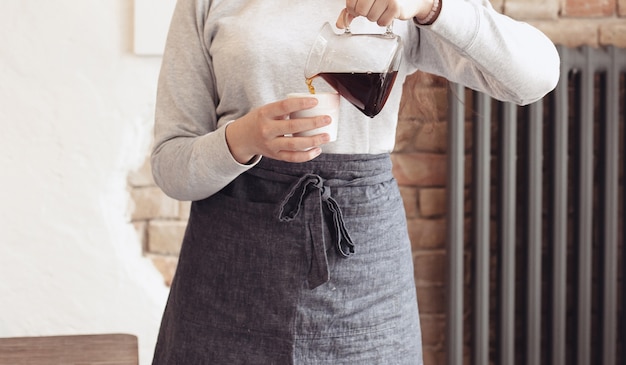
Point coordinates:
[[362, 68]]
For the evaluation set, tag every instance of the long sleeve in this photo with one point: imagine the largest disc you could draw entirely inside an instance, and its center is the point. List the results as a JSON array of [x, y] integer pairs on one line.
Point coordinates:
[[191, 159], [472, 44]]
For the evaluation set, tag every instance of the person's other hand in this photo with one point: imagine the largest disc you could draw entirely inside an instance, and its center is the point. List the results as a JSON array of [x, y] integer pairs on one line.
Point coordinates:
[[263, 132], [383, 12]]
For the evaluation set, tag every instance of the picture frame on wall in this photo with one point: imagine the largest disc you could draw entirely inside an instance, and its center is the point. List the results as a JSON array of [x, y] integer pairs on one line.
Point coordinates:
[[151, 23]]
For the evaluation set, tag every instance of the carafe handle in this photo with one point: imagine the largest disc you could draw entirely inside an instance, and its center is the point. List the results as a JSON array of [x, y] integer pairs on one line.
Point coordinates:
[[388, 31]]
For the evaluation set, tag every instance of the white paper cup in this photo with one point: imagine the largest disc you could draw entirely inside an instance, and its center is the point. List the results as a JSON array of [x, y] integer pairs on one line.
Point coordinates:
[[327, 104]]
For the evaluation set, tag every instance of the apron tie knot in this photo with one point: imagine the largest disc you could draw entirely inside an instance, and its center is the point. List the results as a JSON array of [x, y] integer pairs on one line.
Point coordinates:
[[289, 209]]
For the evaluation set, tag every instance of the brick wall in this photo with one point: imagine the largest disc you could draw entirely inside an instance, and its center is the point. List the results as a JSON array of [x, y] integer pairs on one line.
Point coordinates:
[[419, 159]]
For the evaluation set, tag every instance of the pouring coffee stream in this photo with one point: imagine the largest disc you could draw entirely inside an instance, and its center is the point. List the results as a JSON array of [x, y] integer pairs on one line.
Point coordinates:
[[362, 68]]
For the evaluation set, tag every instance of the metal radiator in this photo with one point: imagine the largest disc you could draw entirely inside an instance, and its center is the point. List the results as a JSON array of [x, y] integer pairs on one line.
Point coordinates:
[[539, 278]]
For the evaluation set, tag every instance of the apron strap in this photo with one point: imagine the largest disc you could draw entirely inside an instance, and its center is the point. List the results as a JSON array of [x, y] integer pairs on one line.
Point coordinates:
[[289, 209]]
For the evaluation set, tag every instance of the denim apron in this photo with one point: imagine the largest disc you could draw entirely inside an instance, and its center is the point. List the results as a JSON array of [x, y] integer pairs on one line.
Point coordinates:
[[306, 263]]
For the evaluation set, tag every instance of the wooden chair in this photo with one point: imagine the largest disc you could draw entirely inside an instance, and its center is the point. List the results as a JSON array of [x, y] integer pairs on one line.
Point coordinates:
[[101, 349]]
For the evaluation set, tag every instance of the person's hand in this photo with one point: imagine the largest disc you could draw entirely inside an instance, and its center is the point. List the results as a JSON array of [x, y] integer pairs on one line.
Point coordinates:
[[262, 132], [383, 12]]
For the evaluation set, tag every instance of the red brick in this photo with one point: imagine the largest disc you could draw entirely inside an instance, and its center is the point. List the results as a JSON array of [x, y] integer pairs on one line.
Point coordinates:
[[434, 355], [432, 202], [423, 79], [409, 197], [431, 299], [167, 266], [405, 136], [589, 8], [613, 33], [427, 234], [419, 169], [414, 136], [433, 330], [621, 8], [165, 237], [432, 137], [184, 209], [570, 32], [423, 104], [430, 267], [532, 9], [151, 202]]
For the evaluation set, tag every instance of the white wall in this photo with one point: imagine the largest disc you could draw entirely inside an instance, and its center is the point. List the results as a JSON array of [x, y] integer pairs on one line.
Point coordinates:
[[76, 108]]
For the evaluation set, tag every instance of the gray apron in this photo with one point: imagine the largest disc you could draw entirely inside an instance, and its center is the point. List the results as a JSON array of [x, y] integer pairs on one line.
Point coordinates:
[[306, 263]]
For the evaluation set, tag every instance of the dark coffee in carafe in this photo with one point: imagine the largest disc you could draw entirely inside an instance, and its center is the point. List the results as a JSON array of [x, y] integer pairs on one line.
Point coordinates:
[[368, 91], [361, 67]]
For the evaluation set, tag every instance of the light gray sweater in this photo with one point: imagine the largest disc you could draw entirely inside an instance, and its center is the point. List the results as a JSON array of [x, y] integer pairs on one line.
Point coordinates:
[[225, 57]]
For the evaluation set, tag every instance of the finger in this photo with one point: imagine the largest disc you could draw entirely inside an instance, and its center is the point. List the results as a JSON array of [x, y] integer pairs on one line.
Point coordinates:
[[281, 108], [376, 11], [299, 149], [297, 125], [387, 17], [363, 7], [298, 156], [305, 143], [313, 141], [344, 19], [351, 6]]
